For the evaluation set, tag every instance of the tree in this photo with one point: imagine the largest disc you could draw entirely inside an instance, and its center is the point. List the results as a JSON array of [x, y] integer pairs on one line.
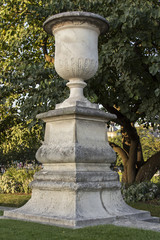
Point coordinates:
[[128, 78], [19, 139], [150, 148], [19, 143]]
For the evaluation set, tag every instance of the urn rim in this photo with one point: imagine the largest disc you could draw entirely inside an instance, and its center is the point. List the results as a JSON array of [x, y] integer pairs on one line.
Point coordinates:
[[88, 17]]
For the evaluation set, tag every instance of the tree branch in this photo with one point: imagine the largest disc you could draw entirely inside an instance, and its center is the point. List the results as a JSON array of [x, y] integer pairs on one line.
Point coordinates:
[[131, 165], [45, 46], [45, 52], [145, 66], [151, 166], [121, 119], [120, 151]]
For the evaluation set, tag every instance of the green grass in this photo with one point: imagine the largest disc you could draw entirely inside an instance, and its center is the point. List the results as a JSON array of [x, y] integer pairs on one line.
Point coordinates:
[[18, 230], [153, 208], [14, 200]]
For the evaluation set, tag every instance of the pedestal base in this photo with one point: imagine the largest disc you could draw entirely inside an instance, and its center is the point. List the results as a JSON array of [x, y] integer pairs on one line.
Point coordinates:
[[83, 198], [76, 188], [73, 223]]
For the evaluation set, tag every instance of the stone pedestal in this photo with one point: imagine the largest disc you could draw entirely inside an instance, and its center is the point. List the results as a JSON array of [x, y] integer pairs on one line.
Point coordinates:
[[76, 187]]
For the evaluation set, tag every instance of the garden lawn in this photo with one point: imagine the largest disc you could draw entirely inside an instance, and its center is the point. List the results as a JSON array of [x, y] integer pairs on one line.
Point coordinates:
[[18, 230], [14, 200], [153, 208]]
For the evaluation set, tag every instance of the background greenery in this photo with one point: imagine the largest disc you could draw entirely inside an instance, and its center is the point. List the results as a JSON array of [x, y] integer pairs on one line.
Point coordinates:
[[17, 180], [127, 82], [150, 144]]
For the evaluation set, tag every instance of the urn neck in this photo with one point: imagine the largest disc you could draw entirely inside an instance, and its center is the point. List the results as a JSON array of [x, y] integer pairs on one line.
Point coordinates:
[[76, 97], [76, 86]]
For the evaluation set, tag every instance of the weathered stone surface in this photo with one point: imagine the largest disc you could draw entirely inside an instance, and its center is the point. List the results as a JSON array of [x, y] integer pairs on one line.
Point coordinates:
[[76, 51], [76, 187], [75, 134], [60, 18], [63, 198], [79, 111], [76, 208]]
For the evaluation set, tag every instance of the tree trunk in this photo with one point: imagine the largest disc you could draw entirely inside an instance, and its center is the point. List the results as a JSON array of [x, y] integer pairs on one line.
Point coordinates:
[[150, 167], [131, 154], [140, 159], [123, 154], [120, 151], [131, 164], [134, 167], [132, 145], [125, 174]]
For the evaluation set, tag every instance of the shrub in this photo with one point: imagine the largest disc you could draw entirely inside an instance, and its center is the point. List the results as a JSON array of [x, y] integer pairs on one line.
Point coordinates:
[[140, 192], [155, 179], [16, 180]]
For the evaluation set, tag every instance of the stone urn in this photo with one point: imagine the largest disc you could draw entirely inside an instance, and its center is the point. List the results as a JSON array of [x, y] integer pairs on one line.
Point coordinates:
[[76, 187], [76, 50]]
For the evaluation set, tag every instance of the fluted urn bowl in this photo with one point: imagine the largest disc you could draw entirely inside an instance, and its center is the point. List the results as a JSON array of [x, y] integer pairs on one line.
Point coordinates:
[[76, 47]]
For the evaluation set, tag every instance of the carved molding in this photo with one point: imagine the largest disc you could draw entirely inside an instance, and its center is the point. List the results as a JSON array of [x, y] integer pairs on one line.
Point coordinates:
[[83, 68]]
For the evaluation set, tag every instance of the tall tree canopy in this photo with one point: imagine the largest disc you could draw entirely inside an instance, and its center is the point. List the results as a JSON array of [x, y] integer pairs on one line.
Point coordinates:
[[128, 78]]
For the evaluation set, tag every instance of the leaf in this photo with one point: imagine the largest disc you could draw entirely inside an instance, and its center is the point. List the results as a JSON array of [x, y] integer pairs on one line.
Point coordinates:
[[157, 92], [154, 69]]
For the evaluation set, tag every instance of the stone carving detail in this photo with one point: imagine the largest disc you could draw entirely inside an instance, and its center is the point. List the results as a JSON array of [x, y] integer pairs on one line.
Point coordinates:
[[76, 52], [77, 18], [76, 187], [90, 24], [83, 68]]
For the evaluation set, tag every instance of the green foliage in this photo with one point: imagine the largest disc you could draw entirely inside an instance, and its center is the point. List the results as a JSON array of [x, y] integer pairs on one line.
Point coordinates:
[[128, 79], [156, 179], [20, 142], [128, 57], [128, 75], [16, 180], [140, 192], [150, 143]]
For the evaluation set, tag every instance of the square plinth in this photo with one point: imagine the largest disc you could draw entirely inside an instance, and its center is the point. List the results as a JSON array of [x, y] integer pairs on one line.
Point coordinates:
[[76, 187]]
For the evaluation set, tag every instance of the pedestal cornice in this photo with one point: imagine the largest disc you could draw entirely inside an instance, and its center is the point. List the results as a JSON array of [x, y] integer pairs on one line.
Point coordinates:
[[77, 111]]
